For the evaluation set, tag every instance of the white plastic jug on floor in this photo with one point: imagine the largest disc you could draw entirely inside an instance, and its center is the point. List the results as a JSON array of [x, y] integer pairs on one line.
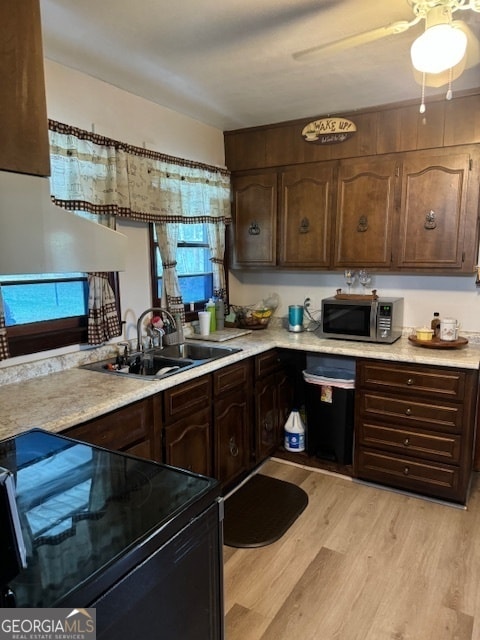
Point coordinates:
[[294, 432]]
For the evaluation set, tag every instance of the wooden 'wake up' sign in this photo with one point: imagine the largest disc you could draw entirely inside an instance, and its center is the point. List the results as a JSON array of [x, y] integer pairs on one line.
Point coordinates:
[[329, 130]]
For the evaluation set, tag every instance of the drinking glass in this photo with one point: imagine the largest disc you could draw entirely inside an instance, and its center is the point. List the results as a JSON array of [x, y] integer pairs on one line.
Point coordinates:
[[364, 278], [349, 278]]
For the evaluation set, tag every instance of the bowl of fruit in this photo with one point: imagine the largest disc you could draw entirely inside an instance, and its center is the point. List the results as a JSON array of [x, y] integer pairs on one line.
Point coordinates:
[[252, 316]]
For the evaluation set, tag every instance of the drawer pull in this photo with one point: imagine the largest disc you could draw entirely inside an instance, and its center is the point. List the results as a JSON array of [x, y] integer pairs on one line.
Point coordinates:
[[406, 442], [408, 412], [410, 381], [268, 426], [406, 471]]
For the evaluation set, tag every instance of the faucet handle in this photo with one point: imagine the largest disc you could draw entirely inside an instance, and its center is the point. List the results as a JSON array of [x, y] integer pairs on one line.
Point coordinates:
[[126, 347]]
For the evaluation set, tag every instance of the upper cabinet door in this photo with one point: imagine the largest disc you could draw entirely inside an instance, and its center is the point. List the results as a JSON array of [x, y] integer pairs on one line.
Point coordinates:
[[365, 212], [437, 214], [255, 219], [305, 215], [24, 147]]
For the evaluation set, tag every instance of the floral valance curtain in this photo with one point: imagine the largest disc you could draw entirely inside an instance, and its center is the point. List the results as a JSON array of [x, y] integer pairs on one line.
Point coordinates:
[[106, 177], [97, 174]]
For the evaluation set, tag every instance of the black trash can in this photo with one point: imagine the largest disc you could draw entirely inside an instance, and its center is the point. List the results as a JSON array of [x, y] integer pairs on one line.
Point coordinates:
[[329, 408]]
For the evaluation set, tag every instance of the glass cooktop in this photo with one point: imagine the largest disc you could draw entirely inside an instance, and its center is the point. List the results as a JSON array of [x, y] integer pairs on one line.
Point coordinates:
[[82, 508]]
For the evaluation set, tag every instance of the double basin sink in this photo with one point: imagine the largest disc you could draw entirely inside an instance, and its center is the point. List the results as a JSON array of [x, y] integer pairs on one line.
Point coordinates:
[[156, 364]]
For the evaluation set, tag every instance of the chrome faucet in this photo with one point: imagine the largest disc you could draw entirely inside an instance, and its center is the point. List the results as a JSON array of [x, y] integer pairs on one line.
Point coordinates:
[[141, 317]]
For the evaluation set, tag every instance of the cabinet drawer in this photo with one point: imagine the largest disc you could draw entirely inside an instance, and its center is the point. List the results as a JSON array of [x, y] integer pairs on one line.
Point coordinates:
[[119, 430], [187, 398], [405, 473], [444, 448], [437, 417], [234, 375], [266, 363], [413, 379]]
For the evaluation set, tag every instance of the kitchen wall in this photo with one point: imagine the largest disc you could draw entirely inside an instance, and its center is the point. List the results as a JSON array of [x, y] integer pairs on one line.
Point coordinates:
[[450, 296], [88, 103]]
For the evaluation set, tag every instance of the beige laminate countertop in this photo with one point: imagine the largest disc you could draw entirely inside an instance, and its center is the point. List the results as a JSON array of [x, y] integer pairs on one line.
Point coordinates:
[[62, 399]]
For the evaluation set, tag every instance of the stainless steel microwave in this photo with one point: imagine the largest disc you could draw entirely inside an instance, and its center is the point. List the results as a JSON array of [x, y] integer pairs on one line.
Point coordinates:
[[378, 320]]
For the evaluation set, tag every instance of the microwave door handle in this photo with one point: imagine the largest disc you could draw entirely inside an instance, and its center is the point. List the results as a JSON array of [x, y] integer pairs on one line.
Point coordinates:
[[373, 319]]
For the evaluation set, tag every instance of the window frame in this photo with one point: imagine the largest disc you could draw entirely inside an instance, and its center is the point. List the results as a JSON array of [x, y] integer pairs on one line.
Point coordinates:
[[26, 339], [198, 306]]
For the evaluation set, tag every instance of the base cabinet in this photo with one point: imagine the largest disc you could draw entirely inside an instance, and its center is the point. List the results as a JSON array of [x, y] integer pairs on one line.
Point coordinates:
[[134, 429], [274, 399], [232, 422], [414, 427], [187, 432], [188, 443]]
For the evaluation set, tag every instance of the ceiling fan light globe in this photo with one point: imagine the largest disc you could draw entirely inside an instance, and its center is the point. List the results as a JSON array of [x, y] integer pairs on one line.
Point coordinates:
[[439, 48]]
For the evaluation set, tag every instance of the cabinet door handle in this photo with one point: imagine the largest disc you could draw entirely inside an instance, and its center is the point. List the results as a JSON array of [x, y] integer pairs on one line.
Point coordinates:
[[268, 426], [406, 471], [254, 229], [304, 226], [410, 381], [406, 442], [408, 412], [430, 220], [362, 225], [233, 447]]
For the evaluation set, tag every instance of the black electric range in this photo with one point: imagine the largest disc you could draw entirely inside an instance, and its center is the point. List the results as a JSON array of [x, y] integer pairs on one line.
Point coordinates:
[[93, 521]]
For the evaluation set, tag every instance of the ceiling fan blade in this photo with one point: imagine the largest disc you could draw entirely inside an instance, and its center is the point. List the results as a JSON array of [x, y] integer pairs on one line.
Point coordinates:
[[354, 41]]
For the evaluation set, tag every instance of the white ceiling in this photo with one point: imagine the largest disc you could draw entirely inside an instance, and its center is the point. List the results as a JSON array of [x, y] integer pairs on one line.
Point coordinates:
[[229, 64]]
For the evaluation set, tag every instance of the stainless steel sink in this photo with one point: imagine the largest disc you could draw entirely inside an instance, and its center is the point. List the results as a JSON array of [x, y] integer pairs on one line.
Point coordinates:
[[155, 364], [197, 351]]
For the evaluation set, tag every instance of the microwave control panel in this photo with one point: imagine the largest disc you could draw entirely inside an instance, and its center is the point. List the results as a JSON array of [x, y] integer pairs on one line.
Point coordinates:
[[384, 322]]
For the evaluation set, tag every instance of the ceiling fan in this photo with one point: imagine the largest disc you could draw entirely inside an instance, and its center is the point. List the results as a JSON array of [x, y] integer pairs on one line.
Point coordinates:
[[437, 15]]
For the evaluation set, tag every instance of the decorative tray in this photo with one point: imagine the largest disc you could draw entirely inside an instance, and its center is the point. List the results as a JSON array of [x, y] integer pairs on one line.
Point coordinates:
[[356, 296], [436, 343]]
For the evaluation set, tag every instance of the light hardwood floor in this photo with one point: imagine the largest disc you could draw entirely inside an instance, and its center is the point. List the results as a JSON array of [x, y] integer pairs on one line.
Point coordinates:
[[360, 563]]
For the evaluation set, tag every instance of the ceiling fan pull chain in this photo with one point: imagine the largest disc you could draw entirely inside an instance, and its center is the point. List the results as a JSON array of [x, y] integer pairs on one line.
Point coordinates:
[[449, 92], [422, 105]]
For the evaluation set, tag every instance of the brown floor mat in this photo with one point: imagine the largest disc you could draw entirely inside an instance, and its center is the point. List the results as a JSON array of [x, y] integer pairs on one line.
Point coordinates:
[[261, 511]]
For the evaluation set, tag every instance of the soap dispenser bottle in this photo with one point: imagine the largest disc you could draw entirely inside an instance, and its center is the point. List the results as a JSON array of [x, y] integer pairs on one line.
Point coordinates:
[[210, 307]]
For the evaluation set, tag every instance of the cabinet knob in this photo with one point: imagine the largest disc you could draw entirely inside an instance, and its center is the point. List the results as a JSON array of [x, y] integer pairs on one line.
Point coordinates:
[[408, 412], [254, 229], [406, 442], [410, 382], [406, 471], [268, 426]]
